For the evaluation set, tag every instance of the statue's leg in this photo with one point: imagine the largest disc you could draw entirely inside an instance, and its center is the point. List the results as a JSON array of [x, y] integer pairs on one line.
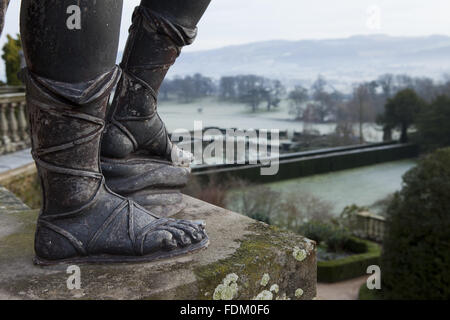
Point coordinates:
[[3, 7], [159, 31], [55, 48], [69, 78]]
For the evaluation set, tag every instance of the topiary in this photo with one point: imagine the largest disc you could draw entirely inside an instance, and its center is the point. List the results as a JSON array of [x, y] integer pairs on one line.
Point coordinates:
[[355, 245], [317, 231], [336, 238], [11, 56], [400, 111], [416, 253], [433, 124]]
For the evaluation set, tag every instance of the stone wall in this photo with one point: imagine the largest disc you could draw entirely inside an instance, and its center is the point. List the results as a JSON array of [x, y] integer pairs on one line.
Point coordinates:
[[24, 183], [303, 164]]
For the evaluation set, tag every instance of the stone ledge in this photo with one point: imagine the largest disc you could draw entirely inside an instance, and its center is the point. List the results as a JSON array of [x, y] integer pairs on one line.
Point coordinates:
[[245, 259]]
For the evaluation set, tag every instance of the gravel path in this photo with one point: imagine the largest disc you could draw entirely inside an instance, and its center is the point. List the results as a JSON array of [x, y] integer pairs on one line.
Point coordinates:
[[345, 290]]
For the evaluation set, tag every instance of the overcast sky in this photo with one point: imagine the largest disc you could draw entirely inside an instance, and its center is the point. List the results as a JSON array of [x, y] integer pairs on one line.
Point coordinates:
[[230, 22]]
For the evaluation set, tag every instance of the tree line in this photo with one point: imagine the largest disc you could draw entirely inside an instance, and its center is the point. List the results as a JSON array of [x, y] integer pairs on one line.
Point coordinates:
[[393, 101], [430, 118], [320, 103], [251, 90], [12, 58]]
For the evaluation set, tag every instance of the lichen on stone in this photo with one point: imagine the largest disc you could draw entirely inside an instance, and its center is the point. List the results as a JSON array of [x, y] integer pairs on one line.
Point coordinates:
[[264, 295], [274, 288], [218, 292], [265, 279], [299, 254], [309, 245], [283, 297], [229, 279], [298, 293], [228, 289], [266, 243]]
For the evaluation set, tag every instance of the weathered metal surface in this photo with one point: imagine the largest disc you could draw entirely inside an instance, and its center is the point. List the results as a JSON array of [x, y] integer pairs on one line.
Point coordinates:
[[69, 79], [82, 220], [134, 125], [154, 184], [3, 7], [134, 131]]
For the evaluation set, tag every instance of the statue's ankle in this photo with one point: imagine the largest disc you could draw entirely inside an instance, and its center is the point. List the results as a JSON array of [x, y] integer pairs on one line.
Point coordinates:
[[115, 143]]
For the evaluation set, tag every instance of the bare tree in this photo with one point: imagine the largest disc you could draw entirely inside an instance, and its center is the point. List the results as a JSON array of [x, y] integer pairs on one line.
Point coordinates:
[[327, 100], [298, 97], [387, 84], [361, 96]]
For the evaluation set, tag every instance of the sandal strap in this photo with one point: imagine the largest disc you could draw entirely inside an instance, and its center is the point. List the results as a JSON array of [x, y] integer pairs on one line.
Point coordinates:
[[58, 100], [129, 80], [136, 240], [148, 21], [76, 243], [152, 21], [161, 135], [139, 243], [92, 243], [127, 132]]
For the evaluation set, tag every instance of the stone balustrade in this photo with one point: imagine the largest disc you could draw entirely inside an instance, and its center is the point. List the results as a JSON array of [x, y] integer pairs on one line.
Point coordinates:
[[370, 226], [14, 128]]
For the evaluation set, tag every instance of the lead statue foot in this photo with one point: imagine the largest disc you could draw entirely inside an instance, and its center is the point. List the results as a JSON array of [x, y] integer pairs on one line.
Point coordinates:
[[153, 183], [82, 220], [127, 233], [138, 159], [133, 123]]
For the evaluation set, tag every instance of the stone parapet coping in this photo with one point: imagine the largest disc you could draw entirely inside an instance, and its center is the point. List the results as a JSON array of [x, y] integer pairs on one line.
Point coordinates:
[[245, 260]]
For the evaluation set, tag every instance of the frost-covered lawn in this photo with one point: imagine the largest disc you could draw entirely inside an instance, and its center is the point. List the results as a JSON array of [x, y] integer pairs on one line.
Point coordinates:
[[362, 186], [230, 115]]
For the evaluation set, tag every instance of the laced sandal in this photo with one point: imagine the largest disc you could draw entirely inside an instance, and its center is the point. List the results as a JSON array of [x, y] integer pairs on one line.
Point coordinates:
[[81, 220], [134, 124]]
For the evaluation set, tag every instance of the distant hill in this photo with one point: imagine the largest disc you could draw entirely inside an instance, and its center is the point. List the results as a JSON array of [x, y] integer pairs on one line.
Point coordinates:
[[344, 61]]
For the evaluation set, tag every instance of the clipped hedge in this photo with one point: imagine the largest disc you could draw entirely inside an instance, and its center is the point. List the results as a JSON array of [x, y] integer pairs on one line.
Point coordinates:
[[367, 294], [349, 267], [416, 244]]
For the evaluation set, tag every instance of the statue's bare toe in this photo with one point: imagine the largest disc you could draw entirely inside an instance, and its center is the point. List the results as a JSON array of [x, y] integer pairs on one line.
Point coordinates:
[[173, 235], [197, 225], [182, 238], [189, 230], [159, 240]]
